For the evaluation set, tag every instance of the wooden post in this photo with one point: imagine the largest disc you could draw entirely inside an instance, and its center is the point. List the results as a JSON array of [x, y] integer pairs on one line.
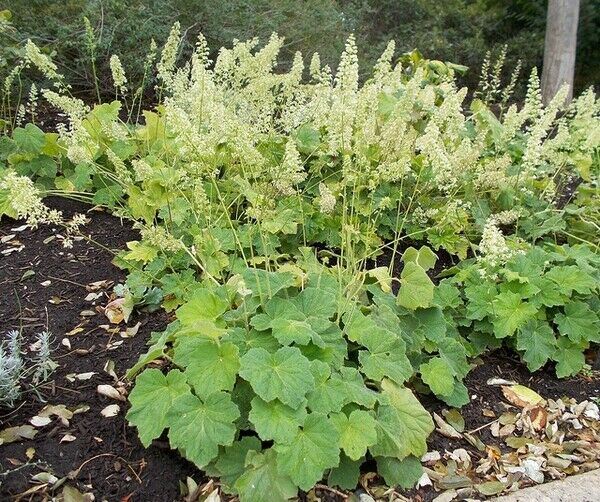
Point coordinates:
[[560, 47]]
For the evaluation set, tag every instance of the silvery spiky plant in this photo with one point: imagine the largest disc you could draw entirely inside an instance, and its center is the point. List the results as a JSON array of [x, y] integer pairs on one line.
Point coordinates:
[[14, 371], [11, 366]]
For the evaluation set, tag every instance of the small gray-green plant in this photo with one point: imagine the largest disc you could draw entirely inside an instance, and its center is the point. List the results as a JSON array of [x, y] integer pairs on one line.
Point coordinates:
[[17, 373]]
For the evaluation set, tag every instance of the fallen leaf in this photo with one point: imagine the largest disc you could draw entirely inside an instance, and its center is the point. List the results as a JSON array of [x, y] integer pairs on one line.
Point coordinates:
[[500, 381], [132, 331], [112, 410], [95, 286], [109, 367], [45, 477], [92, 296], [474, 441], [74, 331], [40, 421], [455, 419], [445, 429], [67, 438], [539, 417], [72, 494], [447, 496], [117, 311], [12, 434], [521, 396], [431, 456], [29, 453], [110, 391], [491, 487]]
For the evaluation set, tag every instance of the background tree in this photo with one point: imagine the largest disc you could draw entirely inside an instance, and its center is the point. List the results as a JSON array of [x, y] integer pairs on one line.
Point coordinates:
[[560, 47]]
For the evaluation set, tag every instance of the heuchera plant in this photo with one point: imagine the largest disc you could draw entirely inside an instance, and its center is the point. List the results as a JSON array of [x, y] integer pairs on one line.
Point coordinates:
[[273, 386]]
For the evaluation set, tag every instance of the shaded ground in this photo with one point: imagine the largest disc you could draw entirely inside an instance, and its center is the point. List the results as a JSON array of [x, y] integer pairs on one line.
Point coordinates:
[[115, 465]]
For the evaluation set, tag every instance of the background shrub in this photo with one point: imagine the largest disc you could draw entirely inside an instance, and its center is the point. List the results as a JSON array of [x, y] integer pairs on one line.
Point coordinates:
[[461, 31]]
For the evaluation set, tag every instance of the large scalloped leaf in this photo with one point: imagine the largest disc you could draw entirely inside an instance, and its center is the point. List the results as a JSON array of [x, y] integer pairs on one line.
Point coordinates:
[[403, 425], [208, 366], [152, 398], [416, 288], [313, 449], [357, 432], [262, 480], [198, 426], [284, 375], [275, 420]]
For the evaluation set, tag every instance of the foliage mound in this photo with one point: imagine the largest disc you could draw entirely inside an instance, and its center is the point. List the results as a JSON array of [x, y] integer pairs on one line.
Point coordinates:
[[295, 230]]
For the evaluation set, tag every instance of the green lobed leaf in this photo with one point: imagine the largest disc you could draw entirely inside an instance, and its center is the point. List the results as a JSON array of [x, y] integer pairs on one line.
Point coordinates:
[[571, 278], [209, 366], [403, 425], [538, 343], [357, 432], [199, 426], [313, 449], [284, 375], [569, 358], [416, 288], [438, 376], [151, 399], [346, 474], [404, 473], [578, 322], [274, 420], [231, 462], [262, 480], [329, 393], [204, 305], [510, 313]]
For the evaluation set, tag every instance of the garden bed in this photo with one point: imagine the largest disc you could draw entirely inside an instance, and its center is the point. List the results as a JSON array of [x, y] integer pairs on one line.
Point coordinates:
[[45, 286]]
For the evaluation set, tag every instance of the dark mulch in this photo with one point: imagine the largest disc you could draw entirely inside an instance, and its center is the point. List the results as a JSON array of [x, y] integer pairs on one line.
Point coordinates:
[[117, 464], [117, 467]]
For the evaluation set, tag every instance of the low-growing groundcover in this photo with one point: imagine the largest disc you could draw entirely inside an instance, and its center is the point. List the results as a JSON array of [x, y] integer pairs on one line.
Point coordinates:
[[265, 204]]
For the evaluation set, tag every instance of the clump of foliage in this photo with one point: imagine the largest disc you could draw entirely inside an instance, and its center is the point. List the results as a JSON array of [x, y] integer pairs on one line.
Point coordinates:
[[272, 209], [17, 372]]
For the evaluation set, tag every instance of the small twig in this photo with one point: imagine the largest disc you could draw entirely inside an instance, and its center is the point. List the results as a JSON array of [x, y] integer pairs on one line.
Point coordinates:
[[483, 426], [332, 490], [66, 280]]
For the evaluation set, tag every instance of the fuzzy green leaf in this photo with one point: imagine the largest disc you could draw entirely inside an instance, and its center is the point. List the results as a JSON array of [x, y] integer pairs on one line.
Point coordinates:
[[263, 481], [208, 366], [313, 449], [480, 298], [538, 343], [404, 473], [346, 474], [510, 314], [424, 257], [284, 375], [357, 432], [355, 389], [416, 288], [403, 425], [569, 358], [151, 399], [572, 278], [329, 393], [203, 305], [438, 376], [387, 359], [232, 461], [198, 426], [275, 420], [578, 322]]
